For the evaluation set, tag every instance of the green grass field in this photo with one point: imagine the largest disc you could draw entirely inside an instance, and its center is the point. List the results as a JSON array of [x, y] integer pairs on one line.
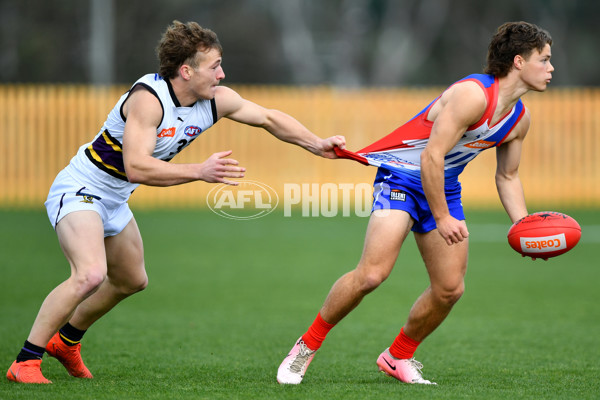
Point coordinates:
[[227, 299]]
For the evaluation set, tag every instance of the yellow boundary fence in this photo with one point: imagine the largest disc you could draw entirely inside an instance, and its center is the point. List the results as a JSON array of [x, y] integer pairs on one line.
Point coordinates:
[[42, 127]]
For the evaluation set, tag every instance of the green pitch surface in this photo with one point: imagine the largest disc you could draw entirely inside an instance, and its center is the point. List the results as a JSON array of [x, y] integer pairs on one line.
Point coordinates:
[[227, 299]]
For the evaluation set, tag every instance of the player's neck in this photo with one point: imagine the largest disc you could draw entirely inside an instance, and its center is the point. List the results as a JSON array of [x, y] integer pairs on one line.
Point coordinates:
[[180, 90], [510, 90]]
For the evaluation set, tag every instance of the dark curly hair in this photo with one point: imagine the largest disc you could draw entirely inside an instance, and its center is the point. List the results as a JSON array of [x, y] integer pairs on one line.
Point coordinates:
[[511, 39], [179, 45]]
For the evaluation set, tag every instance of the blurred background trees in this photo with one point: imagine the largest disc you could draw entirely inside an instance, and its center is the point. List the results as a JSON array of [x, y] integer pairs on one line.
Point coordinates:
[[351, 43]]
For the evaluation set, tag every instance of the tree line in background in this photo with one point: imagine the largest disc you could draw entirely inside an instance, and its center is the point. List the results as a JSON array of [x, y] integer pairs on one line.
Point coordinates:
[[350, 43]]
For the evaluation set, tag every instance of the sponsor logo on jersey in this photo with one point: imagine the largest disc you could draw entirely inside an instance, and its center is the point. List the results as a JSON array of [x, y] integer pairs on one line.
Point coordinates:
[[192, 130], [480, 144], [167, 132], [543, 244], [398, 195]]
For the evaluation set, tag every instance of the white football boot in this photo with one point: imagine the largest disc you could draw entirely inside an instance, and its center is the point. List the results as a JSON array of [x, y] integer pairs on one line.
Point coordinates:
[[292, 369]]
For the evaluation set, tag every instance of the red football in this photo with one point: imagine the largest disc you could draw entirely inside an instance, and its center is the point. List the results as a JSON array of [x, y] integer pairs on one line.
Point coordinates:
[[544, 234]]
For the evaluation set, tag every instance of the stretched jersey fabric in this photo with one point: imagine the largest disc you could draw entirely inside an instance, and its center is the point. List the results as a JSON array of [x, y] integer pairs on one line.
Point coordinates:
[[400, 151], [101, 160]]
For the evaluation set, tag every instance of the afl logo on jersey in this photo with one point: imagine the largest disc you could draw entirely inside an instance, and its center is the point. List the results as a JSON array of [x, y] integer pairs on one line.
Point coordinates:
[[192, 131]]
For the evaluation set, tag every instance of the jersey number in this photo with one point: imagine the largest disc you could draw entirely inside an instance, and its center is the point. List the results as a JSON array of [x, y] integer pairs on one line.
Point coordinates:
[[182, 145]]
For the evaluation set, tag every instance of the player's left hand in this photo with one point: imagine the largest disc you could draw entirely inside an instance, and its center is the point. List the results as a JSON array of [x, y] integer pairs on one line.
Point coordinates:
[[326, 146]]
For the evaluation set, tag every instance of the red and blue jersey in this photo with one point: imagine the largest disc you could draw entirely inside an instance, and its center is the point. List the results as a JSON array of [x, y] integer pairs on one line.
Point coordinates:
[[400, 151]]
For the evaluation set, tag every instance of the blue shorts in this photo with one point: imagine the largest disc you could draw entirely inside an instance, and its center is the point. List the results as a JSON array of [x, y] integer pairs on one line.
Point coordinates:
[[396, 191]]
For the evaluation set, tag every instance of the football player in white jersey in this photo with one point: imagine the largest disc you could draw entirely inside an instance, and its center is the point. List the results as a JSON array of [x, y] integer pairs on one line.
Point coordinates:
[[87, 203], [428, 201]]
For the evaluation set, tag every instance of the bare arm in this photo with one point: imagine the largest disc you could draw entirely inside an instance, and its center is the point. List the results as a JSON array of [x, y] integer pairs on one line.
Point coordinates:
[[508, 157], [281, 125], [460, 107], [143, 112]]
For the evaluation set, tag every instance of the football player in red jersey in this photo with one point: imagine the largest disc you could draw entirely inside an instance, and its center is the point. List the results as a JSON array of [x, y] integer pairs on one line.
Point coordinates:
[[417, 189]]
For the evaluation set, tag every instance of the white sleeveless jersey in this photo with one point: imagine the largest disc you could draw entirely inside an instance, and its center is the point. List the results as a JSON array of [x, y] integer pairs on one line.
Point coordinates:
[[100, 162]]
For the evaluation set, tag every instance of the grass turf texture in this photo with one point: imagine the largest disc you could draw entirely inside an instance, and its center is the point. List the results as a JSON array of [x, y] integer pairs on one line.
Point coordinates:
[[228, 298]]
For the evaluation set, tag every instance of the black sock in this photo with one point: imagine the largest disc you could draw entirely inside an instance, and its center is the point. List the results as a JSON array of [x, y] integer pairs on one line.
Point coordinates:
[[70, 335], [30, 352]]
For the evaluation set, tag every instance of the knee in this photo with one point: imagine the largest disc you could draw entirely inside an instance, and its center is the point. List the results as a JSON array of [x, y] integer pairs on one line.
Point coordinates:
[[133, 285], [89, 281], [139, 285], [450, 295], [370, 279]]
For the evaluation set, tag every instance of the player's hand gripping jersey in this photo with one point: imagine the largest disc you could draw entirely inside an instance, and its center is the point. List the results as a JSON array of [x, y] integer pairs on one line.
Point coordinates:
[[400, 151]]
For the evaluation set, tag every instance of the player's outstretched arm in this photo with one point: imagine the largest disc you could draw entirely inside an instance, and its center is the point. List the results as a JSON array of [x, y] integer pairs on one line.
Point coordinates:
[[281, 125]]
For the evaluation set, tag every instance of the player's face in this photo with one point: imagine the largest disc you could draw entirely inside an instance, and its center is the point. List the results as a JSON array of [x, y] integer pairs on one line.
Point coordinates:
[[537, 69], [207, 74]]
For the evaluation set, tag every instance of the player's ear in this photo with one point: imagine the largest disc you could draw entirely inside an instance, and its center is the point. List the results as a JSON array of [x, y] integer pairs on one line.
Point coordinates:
[[185, 71], [518, 62]]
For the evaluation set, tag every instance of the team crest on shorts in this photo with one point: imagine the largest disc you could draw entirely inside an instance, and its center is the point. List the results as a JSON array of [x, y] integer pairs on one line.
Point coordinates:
[[398, 195], [87, 198]]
